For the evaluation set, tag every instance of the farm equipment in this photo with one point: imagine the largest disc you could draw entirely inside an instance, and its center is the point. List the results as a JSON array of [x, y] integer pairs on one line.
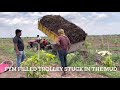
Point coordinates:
[[38, 44], [50, 24], [33, 44]]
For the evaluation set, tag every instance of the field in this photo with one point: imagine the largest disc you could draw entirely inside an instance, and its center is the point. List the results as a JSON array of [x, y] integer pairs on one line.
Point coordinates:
[[81, 59]]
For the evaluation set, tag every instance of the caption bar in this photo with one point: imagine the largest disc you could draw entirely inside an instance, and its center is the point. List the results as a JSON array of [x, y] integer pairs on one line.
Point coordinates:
[[61, 68]]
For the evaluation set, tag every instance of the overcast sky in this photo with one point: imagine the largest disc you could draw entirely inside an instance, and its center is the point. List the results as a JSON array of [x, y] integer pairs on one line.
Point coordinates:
[[93, 23]]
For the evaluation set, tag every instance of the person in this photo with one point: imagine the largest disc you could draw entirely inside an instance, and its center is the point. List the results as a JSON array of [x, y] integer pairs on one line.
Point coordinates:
[[38, 39], [45, 42], [64, 46], [19, 47]]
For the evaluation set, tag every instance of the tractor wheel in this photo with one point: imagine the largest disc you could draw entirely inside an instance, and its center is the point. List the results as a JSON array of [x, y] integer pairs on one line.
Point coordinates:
[[35, 47], [28, 47]]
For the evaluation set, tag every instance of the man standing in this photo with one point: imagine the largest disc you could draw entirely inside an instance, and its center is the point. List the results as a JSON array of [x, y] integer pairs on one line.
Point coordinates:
[[64, 46], [19, 47], [38, 39]]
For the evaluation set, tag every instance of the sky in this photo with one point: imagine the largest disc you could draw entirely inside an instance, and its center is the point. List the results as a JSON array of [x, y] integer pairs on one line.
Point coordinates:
[[93, 23]]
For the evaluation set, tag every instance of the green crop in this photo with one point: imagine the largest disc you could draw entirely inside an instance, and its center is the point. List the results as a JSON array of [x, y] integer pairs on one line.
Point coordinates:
[[108, 61], [38, 60]]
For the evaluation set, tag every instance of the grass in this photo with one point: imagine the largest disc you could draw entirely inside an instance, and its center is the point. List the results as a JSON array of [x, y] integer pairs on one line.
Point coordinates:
[[7, 48], [29, 52], [109, 74], [78, 61], [116, 58], [115, 49]]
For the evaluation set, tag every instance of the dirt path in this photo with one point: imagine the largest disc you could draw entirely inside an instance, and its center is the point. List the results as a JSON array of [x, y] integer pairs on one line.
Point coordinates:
[[17, 74], [12, 74], [74, 75]]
